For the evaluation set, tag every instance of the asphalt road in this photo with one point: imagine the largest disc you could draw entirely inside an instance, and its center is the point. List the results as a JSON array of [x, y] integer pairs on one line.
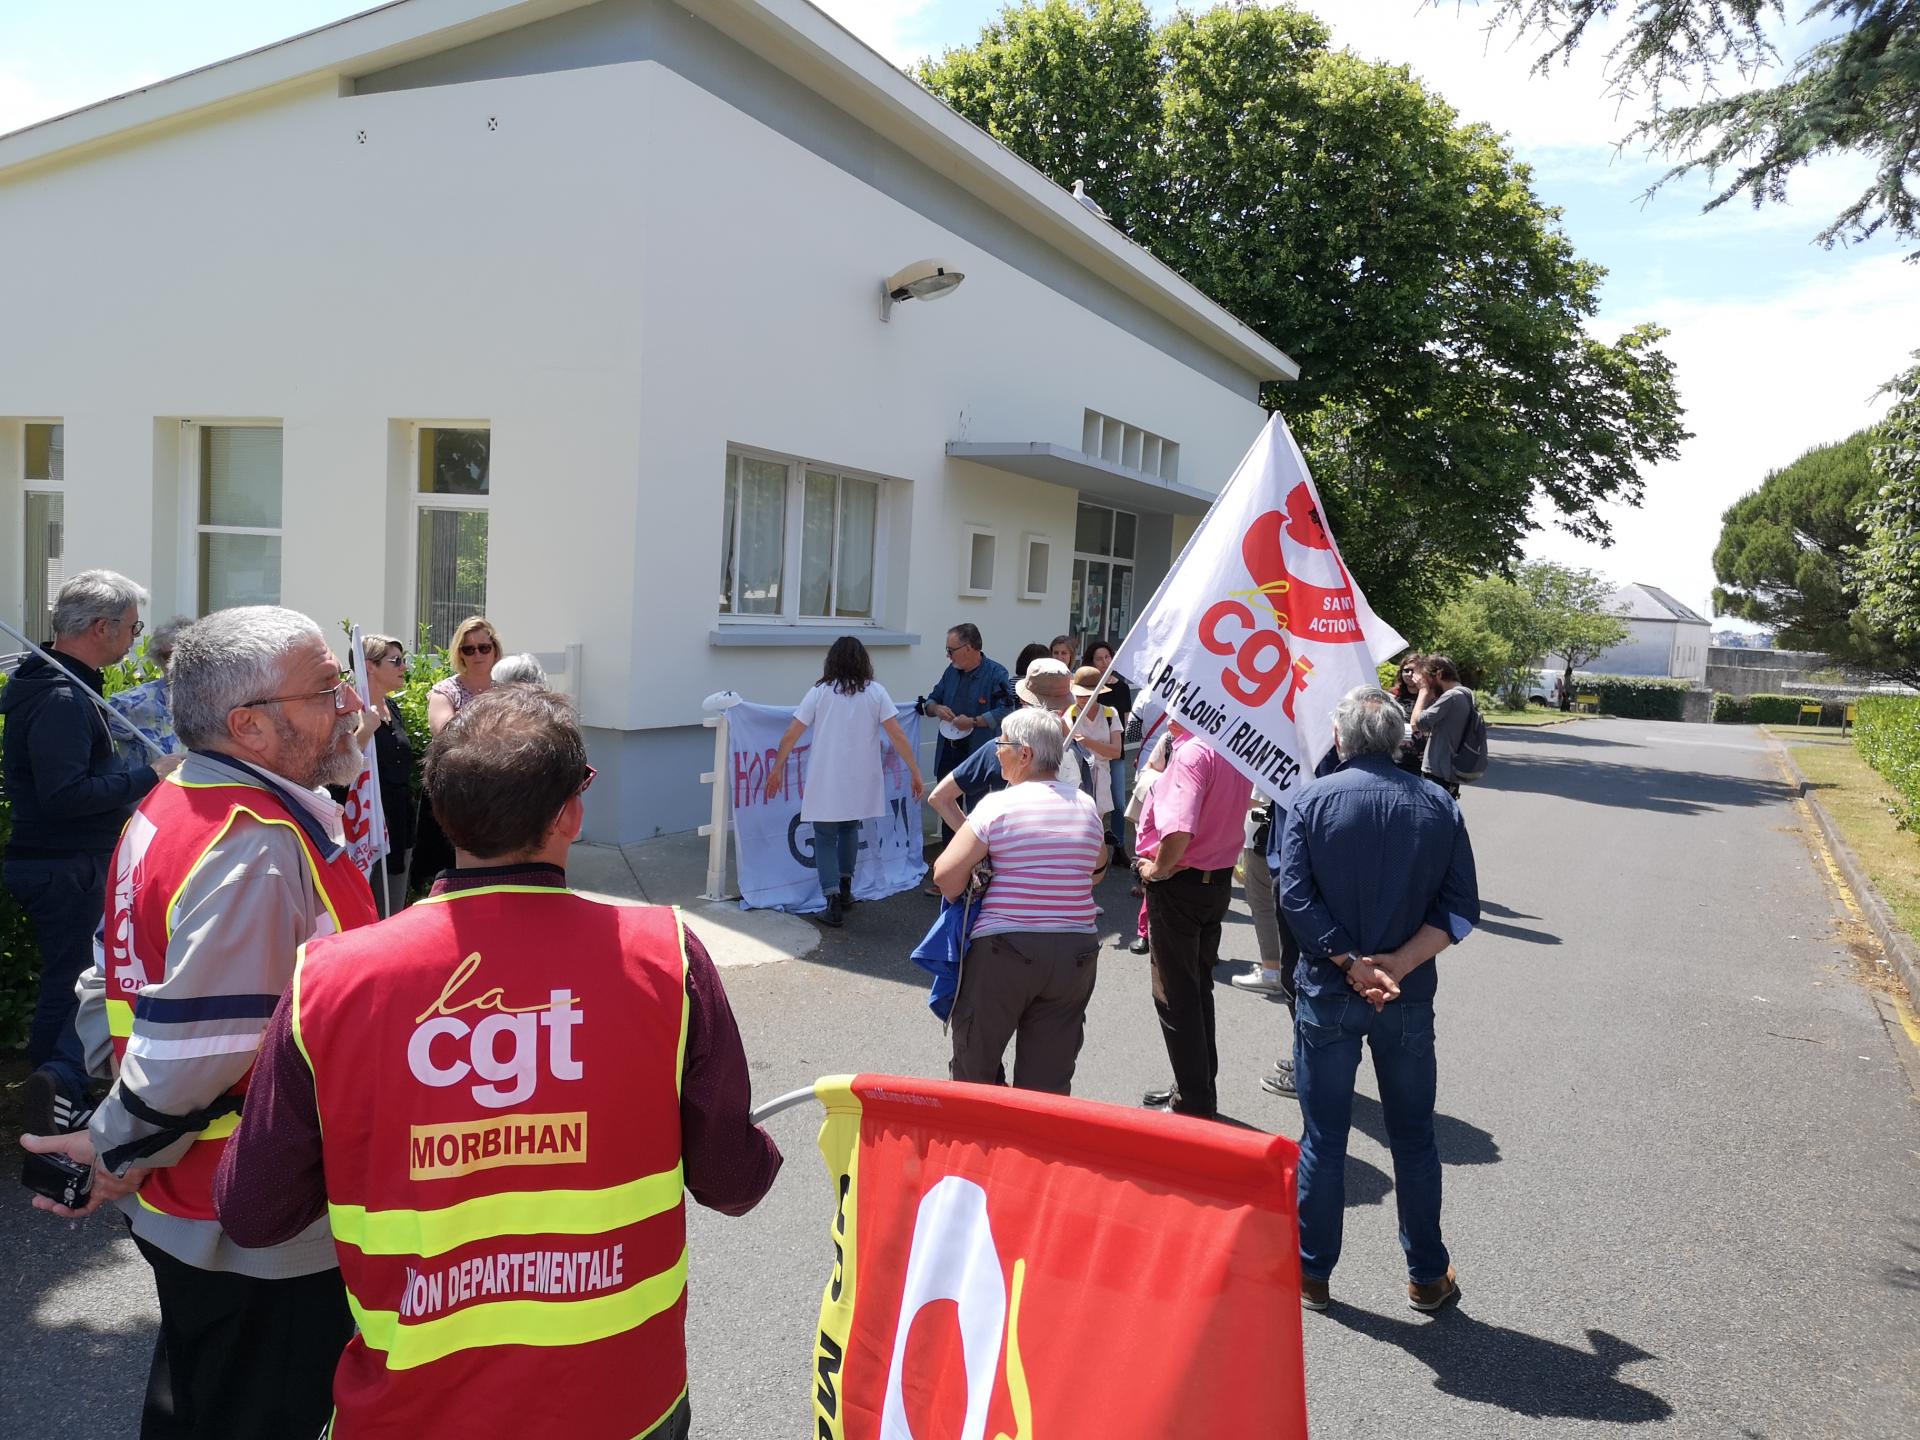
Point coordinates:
[[1682, 1141]]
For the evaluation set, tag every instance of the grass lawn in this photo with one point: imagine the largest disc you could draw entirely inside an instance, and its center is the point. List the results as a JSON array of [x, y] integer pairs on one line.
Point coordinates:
[[1857, 798], [1533, 715]]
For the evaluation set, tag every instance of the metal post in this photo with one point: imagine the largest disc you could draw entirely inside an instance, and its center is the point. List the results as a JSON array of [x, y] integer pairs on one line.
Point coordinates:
[[783, 1102], [715, 829]]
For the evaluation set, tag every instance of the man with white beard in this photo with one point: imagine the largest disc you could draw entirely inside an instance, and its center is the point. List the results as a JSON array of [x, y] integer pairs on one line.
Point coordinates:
[[223, 872]]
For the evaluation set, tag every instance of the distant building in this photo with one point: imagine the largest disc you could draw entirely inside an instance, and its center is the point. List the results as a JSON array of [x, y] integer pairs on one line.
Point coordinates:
[[1742, 640], [1664, 638]]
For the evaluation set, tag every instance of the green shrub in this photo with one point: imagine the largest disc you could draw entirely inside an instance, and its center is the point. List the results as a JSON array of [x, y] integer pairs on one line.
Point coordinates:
[[1728, 709], [1785, 709], [1886, 731], [1635, 697]]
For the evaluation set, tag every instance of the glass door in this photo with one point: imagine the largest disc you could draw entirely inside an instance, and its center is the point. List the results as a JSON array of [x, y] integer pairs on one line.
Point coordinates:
[[1101, 603]]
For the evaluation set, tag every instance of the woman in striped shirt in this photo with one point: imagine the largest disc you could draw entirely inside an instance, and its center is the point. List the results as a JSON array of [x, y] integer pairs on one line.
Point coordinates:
[[1029, 970]]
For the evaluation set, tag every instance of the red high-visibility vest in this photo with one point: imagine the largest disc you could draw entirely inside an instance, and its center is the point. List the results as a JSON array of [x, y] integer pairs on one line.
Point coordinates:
[[498, 1079], [164, 842]]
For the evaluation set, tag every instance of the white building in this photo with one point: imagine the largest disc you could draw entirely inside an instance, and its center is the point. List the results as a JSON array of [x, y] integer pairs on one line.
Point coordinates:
[[571, 312], [1664, 638]]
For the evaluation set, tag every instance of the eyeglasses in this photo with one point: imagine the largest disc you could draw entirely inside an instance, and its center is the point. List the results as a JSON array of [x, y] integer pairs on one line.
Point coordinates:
[[586, 781], [483, 647], [139, 628], [341, 693], [395, 658], [955, 649]]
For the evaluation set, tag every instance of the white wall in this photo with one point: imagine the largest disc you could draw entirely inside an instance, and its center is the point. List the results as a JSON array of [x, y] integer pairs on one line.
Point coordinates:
[[623, 277]]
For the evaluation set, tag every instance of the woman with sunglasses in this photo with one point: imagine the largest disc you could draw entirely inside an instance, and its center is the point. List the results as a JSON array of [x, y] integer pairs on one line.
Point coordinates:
[[476, 645], [393, 750], [1406, 690]]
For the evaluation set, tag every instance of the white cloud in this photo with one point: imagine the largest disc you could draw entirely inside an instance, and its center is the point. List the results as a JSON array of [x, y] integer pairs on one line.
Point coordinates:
[[1763, 381]]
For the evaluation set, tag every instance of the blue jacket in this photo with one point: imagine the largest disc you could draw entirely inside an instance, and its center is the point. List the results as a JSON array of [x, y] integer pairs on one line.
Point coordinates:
[[69, 788], [1367, 856], [985, 693], [941, 952]]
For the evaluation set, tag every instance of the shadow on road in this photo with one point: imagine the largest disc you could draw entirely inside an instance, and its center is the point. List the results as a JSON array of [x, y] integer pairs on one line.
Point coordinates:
[[1631, 787], [1459, 1142], [1518, 932], [1519, 1373]]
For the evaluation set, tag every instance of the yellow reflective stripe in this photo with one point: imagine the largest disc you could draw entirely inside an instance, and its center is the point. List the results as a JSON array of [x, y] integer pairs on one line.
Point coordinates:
[[427, 1233], [300, 1039], [306, 853], [220, 1129], [445, 896], [519, 1322], [686, 1003], [120, 1018]]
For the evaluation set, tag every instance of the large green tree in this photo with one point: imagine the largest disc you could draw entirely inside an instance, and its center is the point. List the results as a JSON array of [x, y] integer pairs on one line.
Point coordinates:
[[1885, 568], [1438, 312], [1544, 609], [1855, 91], [1783, 555]]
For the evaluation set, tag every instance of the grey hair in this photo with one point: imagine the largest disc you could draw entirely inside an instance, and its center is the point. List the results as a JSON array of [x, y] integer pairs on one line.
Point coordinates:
[[1368, 721], [93, 595], [226, 660], [521, 669], [164, 637], [1038, 731]]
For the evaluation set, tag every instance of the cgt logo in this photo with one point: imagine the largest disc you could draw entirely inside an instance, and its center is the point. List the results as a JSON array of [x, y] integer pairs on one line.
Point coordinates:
[[953, 1257], [474, 1048], [1306, 593]]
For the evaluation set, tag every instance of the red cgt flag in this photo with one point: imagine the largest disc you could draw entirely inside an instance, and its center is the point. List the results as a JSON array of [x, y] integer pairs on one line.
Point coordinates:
[[1018, 1266]]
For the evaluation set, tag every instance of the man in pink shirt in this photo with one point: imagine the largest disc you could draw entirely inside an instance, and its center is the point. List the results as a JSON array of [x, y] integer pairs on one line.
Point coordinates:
[[1191, 832]]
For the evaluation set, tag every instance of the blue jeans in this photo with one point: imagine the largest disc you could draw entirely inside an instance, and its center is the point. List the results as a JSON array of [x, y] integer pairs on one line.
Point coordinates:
[[66, 900], [1327, 1031], [836, 845]]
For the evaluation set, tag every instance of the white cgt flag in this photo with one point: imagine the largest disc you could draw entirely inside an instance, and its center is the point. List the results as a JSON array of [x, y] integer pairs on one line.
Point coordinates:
[[366, 818], [1258, 630]]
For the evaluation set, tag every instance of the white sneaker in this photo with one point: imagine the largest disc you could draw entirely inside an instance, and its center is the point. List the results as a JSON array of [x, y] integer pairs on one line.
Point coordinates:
[[1264, 982]]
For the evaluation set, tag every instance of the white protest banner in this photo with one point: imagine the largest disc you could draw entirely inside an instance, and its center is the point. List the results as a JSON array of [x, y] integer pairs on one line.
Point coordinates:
[[366, 819], [1258, 630], [774, 846]]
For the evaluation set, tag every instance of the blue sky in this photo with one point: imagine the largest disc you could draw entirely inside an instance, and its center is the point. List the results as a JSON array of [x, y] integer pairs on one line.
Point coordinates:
[[1780, 344]]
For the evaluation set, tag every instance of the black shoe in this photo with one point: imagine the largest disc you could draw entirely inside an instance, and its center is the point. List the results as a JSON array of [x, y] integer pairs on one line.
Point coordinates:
[[1158, 1099], [846, 896], [46, 1109], [1138, 945], [832, 917]]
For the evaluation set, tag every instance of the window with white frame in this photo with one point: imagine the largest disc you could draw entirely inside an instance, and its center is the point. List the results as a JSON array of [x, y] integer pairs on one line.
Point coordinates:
[[237, 515], [453, 491], [799, 541], [44, 488]]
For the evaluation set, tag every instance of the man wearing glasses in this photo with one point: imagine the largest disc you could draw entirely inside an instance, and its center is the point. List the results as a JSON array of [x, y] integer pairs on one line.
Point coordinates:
[[70, 793], [970, 700], [498, 1096], [221, 874]]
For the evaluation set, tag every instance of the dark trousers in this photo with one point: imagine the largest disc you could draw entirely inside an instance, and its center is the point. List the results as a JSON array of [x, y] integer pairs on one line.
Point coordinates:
[[240, 1358], [1184, 913], [1031, 983], [65, 898]]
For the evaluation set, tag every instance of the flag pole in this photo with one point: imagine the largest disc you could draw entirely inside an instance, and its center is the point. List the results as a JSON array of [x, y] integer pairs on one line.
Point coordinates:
[[85, 689], [775, 1106]]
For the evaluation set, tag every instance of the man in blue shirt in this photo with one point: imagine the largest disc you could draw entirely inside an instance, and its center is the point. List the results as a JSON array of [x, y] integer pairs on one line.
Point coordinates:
[[971, 698], [1376, 879]]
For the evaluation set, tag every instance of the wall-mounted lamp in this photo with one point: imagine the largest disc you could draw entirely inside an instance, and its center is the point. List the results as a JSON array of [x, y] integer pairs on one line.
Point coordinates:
[[922, 280]]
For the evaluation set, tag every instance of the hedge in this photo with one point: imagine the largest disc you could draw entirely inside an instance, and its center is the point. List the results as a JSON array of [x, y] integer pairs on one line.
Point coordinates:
[[1779, 709], [20, 955], [1886, 731], [1635, 697]]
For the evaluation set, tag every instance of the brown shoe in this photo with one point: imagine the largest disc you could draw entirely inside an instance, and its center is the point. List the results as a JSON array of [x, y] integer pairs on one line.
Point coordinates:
[[1435, 1294], [1314, 1294]]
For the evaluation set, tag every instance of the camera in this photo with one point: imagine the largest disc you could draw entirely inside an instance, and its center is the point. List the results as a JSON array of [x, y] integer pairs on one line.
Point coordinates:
[[64, 1181]]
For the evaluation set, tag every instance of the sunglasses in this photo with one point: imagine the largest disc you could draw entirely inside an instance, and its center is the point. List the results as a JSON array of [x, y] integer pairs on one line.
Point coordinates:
[[484, 647], [394, 658], [586, 780]]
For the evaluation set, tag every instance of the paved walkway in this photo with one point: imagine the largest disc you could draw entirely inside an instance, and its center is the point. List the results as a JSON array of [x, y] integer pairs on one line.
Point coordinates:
[[1682, 1139]]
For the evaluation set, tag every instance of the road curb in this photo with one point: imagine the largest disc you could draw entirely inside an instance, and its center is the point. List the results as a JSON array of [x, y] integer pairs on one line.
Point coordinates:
[[1899, 946]]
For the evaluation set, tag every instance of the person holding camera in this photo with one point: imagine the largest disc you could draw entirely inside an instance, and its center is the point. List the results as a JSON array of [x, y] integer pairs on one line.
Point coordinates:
[[221, 874]]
